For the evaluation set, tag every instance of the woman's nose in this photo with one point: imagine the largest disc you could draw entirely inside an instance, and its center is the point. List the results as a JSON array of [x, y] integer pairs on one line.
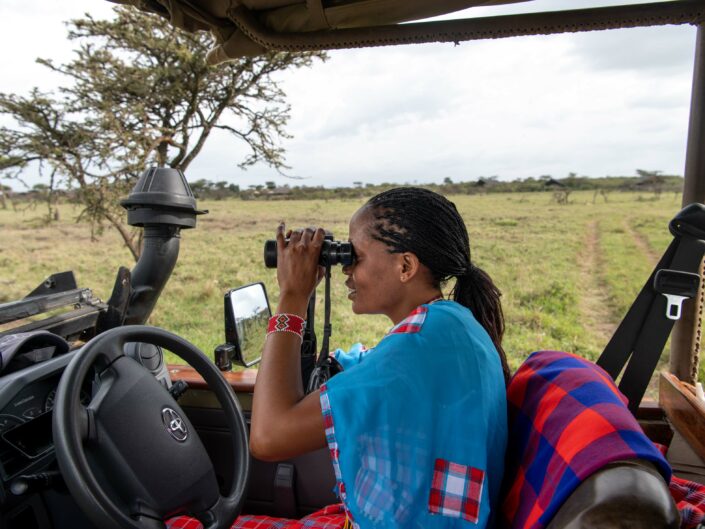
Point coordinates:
[[347, 269]]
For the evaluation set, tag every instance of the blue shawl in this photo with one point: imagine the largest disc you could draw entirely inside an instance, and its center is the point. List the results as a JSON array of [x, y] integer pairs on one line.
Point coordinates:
[[417, 426]]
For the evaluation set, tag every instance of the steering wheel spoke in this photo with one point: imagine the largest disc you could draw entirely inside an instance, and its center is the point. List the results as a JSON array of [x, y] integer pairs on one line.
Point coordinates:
[[85, 423], [215, 513], [111, 351], [146, 522], [143, 449]]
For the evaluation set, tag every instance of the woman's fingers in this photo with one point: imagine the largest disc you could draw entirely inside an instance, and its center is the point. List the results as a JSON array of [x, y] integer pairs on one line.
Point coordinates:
[[295, 236], [308, 235], [281, 243], [300, 241], [318, 236]]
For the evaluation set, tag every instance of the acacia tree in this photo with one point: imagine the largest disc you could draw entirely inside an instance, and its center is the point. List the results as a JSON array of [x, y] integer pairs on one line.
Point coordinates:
[[139, 93]]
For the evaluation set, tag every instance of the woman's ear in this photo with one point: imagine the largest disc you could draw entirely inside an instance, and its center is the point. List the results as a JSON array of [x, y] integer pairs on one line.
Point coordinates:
[[409, 266]]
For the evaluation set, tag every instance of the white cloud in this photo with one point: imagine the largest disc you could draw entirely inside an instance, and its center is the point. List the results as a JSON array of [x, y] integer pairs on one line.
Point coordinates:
[[595, 103]]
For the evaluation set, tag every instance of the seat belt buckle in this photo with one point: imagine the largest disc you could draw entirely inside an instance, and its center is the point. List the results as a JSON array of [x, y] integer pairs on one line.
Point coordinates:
[[676, 286]]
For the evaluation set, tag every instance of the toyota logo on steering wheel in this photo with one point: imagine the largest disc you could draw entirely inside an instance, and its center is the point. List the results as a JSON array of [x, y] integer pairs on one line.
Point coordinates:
[[175, 425]]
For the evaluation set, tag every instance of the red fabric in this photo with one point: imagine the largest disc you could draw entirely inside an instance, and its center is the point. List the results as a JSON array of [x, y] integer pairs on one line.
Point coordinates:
[[412, 323], [456, 490], [690, 500], [330, 517]]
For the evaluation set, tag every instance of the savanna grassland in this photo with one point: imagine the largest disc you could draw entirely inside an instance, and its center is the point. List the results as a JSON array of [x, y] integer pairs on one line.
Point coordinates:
[[568, 273]]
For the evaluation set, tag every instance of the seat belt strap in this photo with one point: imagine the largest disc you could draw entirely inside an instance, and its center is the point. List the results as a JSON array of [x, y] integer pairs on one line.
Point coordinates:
[[642, 335], [621, 344]]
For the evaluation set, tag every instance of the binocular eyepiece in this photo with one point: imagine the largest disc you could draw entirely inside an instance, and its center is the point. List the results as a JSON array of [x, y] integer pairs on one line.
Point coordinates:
[[332, 253]]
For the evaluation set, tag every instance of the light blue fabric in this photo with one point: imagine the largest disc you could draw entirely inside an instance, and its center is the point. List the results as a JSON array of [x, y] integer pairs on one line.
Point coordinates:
[[437, 393], [352, 356]]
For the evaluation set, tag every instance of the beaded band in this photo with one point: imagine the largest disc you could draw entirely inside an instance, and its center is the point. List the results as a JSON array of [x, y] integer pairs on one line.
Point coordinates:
[[286, 323]]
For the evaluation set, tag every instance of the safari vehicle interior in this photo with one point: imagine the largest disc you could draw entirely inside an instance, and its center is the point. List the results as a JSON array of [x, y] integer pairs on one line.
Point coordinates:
[[86, 396]]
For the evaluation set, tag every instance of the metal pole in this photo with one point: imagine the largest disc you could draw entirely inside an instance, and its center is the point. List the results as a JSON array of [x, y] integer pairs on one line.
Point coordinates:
[[685, 340]]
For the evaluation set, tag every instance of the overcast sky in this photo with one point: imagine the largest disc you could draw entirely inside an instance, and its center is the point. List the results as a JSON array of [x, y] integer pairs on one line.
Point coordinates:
[[602, 103]]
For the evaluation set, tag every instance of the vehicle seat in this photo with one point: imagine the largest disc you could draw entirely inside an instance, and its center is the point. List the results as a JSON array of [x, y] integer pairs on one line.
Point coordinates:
[[576, 456], [628, 494]]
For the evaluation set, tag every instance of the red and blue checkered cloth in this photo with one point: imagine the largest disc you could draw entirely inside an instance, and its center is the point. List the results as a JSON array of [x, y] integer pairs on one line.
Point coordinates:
[[690, 500], [567, 419], [331, 517]]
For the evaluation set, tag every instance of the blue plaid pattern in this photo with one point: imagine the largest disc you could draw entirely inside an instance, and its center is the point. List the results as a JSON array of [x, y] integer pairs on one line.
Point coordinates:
[[333, 447]]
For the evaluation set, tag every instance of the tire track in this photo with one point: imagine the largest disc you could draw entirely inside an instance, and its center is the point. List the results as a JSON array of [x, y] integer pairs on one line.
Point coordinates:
[[641, 242], [594, 303]]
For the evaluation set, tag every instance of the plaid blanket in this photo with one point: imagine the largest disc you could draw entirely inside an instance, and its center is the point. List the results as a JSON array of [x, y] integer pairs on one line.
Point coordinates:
[[330, 517], [567, 420], [690, 500]]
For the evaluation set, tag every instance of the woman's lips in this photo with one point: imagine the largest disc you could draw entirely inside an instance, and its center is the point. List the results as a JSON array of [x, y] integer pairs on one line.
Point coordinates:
[[351, 293]]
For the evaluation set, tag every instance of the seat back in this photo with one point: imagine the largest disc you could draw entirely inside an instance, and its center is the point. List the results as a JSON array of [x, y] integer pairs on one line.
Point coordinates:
[[626, 494], [569, 432]]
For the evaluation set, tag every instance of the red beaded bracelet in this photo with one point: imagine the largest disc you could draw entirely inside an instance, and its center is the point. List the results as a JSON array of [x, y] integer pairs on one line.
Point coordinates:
[[286, 323]]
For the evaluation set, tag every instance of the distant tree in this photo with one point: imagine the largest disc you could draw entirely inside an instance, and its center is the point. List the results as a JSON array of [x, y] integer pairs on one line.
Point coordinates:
[[643, 173], [270, 185], [199, 187], [5, 192], [560, 196], [652, 180], [603, 193], [447, 181], [139, 93]]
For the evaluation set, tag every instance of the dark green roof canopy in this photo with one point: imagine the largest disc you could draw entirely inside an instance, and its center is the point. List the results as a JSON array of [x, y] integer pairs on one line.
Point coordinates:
[[251, 27]]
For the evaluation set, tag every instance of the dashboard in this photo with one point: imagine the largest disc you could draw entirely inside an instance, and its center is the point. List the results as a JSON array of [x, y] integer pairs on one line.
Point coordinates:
[[26, 403]]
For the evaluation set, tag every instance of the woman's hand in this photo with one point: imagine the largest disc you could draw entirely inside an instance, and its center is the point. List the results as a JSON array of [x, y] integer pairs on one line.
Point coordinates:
[[285, 421], [298, 271]]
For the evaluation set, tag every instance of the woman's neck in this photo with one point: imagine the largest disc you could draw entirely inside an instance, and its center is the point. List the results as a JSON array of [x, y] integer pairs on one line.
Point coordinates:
[[403, 309]]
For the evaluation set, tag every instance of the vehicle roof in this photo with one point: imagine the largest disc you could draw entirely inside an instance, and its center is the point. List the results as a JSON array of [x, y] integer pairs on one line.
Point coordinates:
[[257, 26]]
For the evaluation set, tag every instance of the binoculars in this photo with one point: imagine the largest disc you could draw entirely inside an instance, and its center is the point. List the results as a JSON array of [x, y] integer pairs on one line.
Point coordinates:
[[332, 253]]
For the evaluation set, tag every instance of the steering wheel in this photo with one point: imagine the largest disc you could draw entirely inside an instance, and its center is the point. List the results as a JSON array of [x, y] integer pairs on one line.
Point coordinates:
[[131, 458]]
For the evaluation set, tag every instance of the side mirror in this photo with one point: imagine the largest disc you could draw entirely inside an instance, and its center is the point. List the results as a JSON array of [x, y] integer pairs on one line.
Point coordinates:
[[246, 317]]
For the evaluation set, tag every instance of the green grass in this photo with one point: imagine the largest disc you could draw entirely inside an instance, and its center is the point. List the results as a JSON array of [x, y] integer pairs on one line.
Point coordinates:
[[531, 246]]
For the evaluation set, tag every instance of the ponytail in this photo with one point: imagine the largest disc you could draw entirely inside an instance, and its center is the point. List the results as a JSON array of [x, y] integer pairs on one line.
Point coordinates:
[[475, 290], [412, 219]]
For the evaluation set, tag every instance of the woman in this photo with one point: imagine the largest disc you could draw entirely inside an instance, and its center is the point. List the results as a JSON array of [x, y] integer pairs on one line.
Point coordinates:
[[417, 426]]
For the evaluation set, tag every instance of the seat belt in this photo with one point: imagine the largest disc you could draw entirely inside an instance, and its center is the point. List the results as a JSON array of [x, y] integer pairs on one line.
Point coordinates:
[[641, 336]]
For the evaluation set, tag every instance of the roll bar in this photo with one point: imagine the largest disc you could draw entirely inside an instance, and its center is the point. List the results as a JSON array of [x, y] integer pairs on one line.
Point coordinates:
[[544, 23], [686, 336]]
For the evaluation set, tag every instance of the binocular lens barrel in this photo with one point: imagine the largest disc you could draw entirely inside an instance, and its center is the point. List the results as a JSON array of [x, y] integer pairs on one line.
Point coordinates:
[[332, 253]]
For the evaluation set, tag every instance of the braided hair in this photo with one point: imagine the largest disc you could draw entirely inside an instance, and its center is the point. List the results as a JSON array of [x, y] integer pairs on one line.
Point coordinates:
[[416, 220]]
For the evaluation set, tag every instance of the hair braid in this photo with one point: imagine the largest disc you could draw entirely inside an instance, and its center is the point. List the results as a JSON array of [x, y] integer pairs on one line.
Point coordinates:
[[416, 220]]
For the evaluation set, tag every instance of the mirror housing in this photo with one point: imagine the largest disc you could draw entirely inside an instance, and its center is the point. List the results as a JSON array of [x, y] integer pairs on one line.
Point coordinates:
[[247, 315]]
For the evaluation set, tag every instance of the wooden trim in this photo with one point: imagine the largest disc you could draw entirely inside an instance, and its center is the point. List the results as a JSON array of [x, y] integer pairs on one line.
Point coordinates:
[[684, 410], [241, 381]]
